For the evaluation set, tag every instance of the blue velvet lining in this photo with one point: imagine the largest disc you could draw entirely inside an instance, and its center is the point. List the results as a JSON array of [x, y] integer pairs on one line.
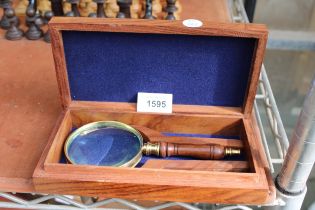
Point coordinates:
[[197, 70]]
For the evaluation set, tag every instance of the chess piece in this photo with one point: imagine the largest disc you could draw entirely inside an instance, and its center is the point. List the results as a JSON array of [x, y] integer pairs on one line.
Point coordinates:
[[34, 22], [48, 15], [4, 22], [178, 11], [86, 7], [124, 8], [136, 9], [157, 8], [148, 10], [74, 8], [56, 7], [170, 9], [43, 6], [111, 8], [100, 9], [21, 7], [66, 7], [13, 33]]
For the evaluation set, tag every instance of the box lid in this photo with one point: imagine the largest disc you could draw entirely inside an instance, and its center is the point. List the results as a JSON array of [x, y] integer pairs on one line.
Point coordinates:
[[111, 60]]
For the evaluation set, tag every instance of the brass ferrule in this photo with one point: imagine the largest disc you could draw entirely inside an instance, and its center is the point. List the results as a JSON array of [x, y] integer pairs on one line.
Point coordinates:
[[229, 151], [151, 149]]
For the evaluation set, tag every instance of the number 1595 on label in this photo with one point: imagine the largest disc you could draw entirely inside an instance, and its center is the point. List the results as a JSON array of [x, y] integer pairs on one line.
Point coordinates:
[[154, 102]]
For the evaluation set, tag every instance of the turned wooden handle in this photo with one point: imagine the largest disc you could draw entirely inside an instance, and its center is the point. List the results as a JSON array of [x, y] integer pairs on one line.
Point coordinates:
[[204, 152]]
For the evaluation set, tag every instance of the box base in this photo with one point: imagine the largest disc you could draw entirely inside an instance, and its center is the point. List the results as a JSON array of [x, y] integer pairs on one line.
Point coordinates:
[[162, 181]]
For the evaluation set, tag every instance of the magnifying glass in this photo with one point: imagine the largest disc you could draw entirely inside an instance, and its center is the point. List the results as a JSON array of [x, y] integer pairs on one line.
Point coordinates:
[[111, 143]]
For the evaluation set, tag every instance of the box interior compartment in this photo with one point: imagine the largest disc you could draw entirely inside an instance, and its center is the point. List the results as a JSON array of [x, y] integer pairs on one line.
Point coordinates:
[[175, 128]]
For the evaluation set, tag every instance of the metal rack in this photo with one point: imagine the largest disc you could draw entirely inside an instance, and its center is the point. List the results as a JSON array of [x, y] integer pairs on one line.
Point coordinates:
[[265, 95], [265, 108]]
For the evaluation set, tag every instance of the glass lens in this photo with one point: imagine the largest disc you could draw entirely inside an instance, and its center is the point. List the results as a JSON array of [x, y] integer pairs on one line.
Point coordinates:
[[106, 146]]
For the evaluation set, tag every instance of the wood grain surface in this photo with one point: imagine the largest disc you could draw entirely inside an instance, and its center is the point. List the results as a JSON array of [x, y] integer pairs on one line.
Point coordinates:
[[197, 165], [205, 10], [180, 123], [177, 108], [29, 108]]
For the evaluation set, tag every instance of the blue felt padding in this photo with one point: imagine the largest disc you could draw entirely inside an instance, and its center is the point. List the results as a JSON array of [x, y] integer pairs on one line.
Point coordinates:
[[197, 70], [144, 159], [199, 135]]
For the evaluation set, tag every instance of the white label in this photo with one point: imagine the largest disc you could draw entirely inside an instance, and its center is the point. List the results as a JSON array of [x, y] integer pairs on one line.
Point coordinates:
[[192, 23], [155, 102]]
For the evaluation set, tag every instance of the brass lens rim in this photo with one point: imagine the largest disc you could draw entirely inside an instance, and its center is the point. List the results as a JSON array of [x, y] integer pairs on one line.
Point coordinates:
[[104, 124]]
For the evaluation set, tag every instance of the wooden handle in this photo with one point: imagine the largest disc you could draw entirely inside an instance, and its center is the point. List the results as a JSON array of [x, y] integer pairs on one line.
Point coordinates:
[[204, 152]]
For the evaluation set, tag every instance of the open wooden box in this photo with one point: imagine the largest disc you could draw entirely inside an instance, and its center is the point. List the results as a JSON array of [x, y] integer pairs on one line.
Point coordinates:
[[212, 71]]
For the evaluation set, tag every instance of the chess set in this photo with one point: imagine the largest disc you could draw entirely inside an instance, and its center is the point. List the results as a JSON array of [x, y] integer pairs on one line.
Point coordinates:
[[38, 13]]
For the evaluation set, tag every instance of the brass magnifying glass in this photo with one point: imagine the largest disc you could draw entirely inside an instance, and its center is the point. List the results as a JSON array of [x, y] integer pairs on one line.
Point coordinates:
[[111, 143]]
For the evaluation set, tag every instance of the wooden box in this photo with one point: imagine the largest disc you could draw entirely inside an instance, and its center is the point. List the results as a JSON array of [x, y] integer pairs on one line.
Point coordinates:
[[212, 71]]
